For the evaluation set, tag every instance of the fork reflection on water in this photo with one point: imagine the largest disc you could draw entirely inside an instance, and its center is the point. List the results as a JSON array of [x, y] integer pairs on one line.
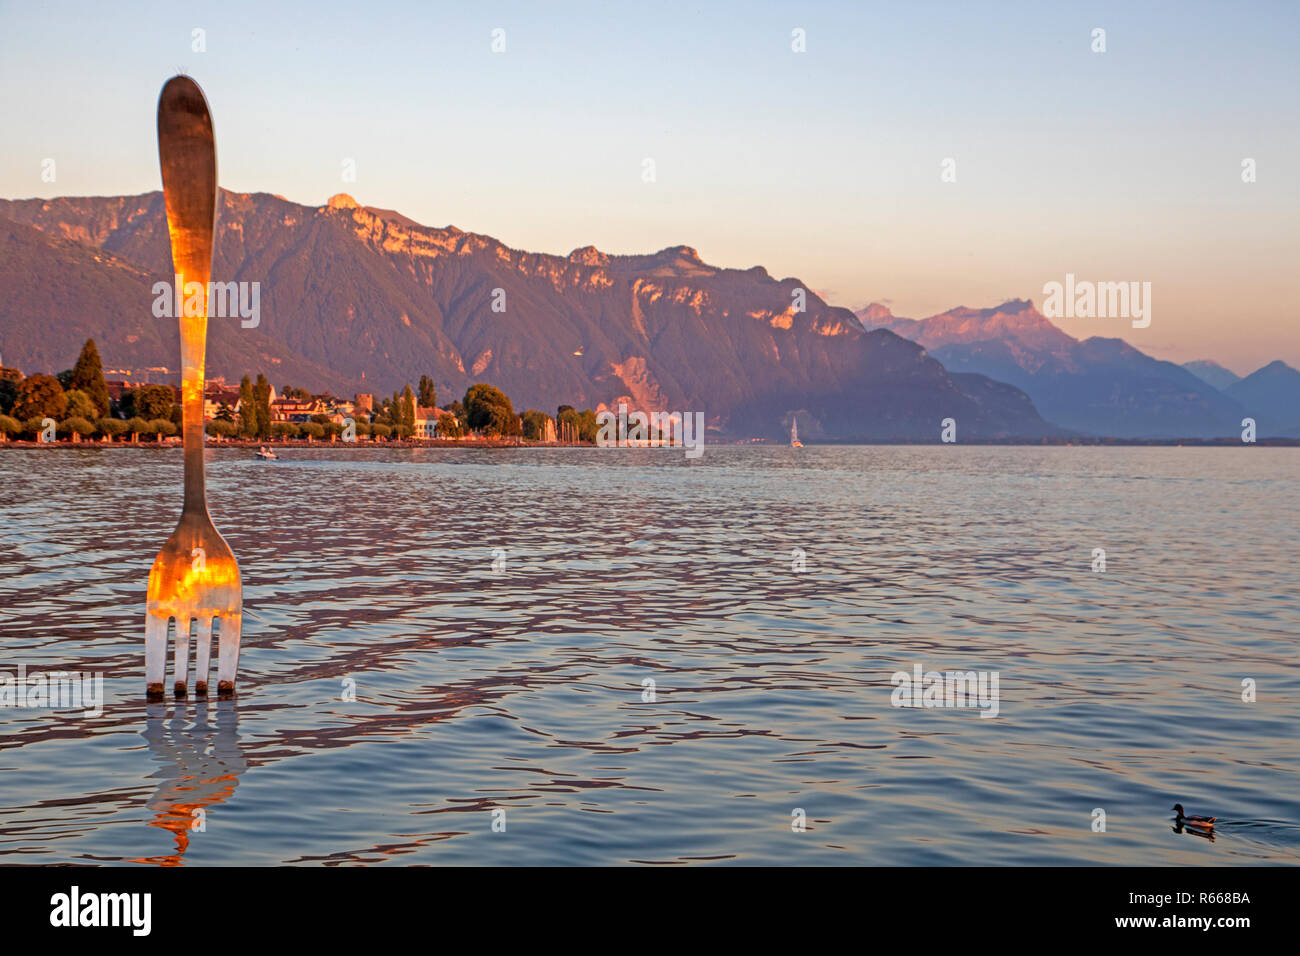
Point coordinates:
[[521, 688]]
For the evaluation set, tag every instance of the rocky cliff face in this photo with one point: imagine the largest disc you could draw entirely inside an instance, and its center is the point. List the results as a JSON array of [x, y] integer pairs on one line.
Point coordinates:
[[354, 297]]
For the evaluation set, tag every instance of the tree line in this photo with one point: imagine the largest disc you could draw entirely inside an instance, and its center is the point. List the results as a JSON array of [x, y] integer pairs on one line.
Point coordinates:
[[78, 401]]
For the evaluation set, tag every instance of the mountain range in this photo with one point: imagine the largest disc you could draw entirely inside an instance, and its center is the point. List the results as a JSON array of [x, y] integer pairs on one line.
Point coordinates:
[[355, 298], [1273, 390], [1100, 386], [1213, 373]]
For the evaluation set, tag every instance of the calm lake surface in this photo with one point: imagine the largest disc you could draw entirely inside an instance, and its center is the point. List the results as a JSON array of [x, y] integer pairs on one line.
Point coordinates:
[[522, 688]]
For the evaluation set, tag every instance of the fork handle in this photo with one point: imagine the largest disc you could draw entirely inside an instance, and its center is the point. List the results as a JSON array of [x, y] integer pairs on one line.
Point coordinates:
[[188, 156], [194, 333]]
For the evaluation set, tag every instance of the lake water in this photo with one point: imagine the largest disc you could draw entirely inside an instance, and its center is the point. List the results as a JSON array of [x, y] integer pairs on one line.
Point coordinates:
[[520, 687]]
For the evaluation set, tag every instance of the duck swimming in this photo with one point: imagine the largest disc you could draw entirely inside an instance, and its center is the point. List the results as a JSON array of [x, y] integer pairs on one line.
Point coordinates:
[[1193, 820]]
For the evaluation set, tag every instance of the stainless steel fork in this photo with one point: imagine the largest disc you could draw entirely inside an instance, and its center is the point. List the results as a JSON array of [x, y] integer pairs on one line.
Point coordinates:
[[195, 576]]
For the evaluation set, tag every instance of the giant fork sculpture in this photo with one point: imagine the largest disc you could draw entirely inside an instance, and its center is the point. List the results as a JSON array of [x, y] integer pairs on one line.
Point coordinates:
[[195, 576]]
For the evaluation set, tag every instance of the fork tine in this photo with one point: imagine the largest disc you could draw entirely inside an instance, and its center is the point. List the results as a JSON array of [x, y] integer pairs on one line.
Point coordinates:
[[182, 660], [203, 655], [155, 652], [228, 652]]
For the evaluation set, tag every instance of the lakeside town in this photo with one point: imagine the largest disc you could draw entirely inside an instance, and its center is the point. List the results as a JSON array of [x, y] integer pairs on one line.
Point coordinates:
[[82, 405]]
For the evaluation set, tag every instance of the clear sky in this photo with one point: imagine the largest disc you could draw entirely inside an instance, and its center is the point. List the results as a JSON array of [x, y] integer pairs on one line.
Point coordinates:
[[826, 164]]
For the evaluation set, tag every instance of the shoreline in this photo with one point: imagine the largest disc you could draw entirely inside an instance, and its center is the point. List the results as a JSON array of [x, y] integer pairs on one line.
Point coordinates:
[[498, 443], [254, 445]]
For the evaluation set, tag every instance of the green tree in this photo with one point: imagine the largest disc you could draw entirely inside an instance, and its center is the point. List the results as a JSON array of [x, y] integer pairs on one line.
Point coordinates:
[[40, 396], [587, 427], [219, 429], [284, 430], [535, 423], [247, 409], [262, 400], [566, 423], [380, 430], [226, 414], [160, 427], [428, 394], [33, 427], [408, 408], [150, 402], [488, 410], [401, 408], [137, 426], [80, 405], [449, 425], [76, 427], [312, 430], [9, 427], [110, 428], [9, 379], [88, 376]]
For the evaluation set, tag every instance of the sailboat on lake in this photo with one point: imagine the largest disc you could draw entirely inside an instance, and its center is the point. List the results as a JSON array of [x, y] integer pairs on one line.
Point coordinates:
[[794, 434]]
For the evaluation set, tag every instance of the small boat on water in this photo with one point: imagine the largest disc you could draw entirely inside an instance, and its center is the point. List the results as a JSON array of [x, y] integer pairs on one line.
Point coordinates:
[[266, 454], [794, 434]]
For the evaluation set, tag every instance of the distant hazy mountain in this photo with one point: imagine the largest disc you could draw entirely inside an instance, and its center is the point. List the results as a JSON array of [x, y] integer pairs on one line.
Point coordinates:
[[1100, 386], [356, 298], [1213, 373], [1271, 396]]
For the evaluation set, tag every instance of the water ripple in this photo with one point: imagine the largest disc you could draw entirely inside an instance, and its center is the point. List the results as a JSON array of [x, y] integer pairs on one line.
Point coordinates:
[[522, 688]]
